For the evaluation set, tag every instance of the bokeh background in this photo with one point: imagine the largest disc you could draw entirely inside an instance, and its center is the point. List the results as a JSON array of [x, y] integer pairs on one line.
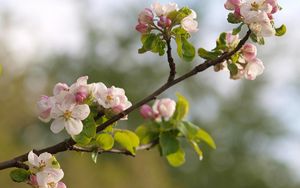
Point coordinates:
[[256, 124]]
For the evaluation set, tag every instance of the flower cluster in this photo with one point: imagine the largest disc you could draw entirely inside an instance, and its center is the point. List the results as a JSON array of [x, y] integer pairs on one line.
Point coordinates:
[[257, 14], [166, 17], [69, 105], [245, 64], [45, 171], [161, 109]]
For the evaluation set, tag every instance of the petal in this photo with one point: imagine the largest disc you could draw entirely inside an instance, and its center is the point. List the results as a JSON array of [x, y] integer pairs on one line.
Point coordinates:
[[61, 185], [81, 112], [45, 157], [33, 159], [73, 126], [57, 125]]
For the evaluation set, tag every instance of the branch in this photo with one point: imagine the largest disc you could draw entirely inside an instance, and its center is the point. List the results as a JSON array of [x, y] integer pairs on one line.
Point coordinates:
[[115, 151], [69, 143], [171, 61]]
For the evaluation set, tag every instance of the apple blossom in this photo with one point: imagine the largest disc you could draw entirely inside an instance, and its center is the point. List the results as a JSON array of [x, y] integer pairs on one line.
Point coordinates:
[[44, 160], [254, 68], [189, 23], [142, 28], [164, 22], [146, 16], [232, 4], [69, 115], [49, 178], [232, 40], [163, 10], [249, 51], [60, 87], [147, 112], [164, 108], [44, 106]]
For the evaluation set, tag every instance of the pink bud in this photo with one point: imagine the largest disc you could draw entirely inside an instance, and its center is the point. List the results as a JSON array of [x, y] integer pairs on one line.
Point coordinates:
[[164, 22], [146, 16], [60, 87], [146, 112], [61, 185], [44, 107], [274, 5], [142, 28], [164, 107], [81, 94], [232, 4], [249, 51], [232, 40], [33, 180], [253, 69]]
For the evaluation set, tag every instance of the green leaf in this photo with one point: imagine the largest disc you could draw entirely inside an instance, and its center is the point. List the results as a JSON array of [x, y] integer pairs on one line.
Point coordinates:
[[182, 13], [188, 50], [128, 140], [232, 18], [105, 141], [197, 149], [94, 156], [188, 129], [179, 45], [147, 134], [176, 159], [19, 175], [88, 132], [256, 39], [208, 54], [221, 42], [169, 143], [281, 30], [237, 30], [182, 107], [233, 69], [204, 136]]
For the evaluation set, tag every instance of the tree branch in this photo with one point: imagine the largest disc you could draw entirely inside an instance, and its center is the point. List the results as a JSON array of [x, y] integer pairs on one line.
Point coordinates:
[[171, 61], [69, 143]]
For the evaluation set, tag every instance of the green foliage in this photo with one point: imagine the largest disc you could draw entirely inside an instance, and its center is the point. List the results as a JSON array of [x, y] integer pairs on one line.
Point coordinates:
[[88, 132], [154, 43], [177, 159], [204, 136], [127, 139], [168, 143], [105, 141], [148, 132], [280, 31], [209, 55], [182, 108], [19, 175], [94, 155], [221, 42], [185, 49], [233, 69], [232, 18], [237, 30], [177, 16], [256, 39]]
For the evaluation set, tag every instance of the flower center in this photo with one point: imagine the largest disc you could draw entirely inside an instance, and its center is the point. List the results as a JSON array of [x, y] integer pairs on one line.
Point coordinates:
[[67, 114], [109, 98], [51, 185], [42, 164], [255, 6]]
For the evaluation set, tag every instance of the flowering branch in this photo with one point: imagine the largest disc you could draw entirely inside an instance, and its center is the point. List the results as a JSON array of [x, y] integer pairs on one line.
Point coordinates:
[[171, 61], [69, 143]]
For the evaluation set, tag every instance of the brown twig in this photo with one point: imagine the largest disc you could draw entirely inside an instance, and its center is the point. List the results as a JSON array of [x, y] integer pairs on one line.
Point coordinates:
[[69, 143]]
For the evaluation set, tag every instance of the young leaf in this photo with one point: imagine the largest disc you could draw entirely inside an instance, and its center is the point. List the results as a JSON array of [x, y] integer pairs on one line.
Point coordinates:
[[135, 141], [88, 132], [182, 107], [208, 54], [146, 134], [105, 141], [19, 175], [256, 39], [232, 18], [204, 136], [188, 50], [95, 156], [237, 30], [128, 140], [221, 42], [168, 142], [197, 149], [188, 129], [281, 30], [176, 159], [233, 69]]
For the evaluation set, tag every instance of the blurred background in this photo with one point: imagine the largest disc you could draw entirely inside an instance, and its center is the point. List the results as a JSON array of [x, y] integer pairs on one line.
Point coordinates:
[[256, 124]]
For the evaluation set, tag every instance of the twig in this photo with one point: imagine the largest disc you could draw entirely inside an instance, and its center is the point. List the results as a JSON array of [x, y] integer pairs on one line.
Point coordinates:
[[68, 144]]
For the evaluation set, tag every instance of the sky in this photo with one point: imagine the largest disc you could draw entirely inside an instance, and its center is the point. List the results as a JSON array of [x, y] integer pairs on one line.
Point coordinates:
[[42, 27]]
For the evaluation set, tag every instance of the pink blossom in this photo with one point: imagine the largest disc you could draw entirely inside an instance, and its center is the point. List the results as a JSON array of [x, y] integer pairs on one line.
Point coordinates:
[[249, 51], [165, 108], [163, 10], [147, 112], [33, 180], [232, 4], [146, 16], [164, 22], [189, 23], [44, 106], [232, 40], [61, 185], [142, 28], [253, 69], [59, 87]]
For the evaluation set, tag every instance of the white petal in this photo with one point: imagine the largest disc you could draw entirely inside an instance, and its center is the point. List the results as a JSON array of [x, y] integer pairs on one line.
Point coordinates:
[[33, 159], [46, 157], [49, 175], [81, 111], [73, 126], [57, 125]]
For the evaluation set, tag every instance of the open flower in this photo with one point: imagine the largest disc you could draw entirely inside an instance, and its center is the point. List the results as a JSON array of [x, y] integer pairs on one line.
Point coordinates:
[[69, 115], [164, 10], [189, 23], [49, 178], [253, 69], [164, 108], [44, 160], [44, 107], [249, 51]]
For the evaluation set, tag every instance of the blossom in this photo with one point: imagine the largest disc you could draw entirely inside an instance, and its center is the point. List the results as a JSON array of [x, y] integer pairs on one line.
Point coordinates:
[[146, 16], [44, 160], [147, 112], [189, 23], [232, 4], [49, 178], [249, 51], [164, 21], [59, 87], [44, 106], [69, 115], [163, 10], [232, 40], [254, 68], [164, 108], [80, 89]]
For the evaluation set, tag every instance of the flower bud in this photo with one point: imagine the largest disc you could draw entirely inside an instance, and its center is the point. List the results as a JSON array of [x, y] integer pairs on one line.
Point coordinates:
[[232, 40], [142, 28], [146, 16], [164, 107], [164, 22], [33, 180], [44, 108], [146, 112], [232, 4], [274, 5], [254, 68], [60, 87], [61, 185], [249, 51]]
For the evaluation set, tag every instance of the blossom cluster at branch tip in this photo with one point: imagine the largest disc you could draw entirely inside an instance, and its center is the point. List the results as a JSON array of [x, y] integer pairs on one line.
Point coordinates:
[[70, 105], [257, 14], [161, 109], [160, 17], [247, 64], [45, 171]]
